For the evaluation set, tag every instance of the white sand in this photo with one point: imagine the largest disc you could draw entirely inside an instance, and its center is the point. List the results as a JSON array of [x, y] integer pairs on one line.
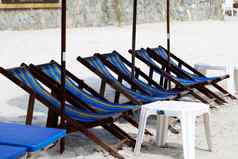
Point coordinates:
[[196, 42]]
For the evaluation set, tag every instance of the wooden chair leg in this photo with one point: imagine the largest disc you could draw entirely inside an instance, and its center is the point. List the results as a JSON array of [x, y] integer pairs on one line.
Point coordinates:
[[62, 145], [102, 88], [30, 110], [162, 78], [120, 134], [98, 141], [52, 119], [210, 94], [195, 95], [136, 77], [223, 90], [117, 97], [114, 132], [135, 124], [151, 72], [119, 130], [117, 94]]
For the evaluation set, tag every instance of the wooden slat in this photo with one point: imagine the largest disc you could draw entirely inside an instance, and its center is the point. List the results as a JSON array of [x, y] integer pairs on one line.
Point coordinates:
[[30, 6]]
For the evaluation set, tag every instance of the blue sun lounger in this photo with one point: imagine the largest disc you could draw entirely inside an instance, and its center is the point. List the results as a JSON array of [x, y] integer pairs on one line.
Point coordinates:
[[11, 152], [121, 65], [78, 91], [76, 118], [115, 60], [181, 83], [143, 55], [161, 52], [33, 138], [80, 114], [53, 70], [95, 64], [185, 73]]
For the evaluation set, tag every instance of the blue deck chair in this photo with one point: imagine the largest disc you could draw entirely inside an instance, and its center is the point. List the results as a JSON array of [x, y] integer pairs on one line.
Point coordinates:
[[97, 66], [118, 62], [120, 65], [144, 56], [53, 70], [11, 152], [33, 138], [186, 72], [76, 118], [161, 52], [78, 91]]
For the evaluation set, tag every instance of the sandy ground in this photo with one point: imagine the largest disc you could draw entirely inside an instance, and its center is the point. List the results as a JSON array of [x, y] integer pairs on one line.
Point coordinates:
[[196, 42]]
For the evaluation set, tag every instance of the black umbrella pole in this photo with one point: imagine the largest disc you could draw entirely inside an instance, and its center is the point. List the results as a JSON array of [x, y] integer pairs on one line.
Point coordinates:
[[168, 25], [167, 82], [134, 37], [63, 64]]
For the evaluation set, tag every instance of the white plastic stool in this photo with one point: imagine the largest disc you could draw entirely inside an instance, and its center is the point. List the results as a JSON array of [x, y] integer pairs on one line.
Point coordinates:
[[227, 68], [186, 112], [228, 6]]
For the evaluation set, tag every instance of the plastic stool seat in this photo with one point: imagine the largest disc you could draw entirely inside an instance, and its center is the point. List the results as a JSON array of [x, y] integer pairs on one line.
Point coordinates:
[[186, 112]]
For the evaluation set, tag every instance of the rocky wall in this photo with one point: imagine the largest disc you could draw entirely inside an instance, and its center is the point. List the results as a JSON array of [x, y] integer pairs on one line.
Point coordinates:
[[110, 12]]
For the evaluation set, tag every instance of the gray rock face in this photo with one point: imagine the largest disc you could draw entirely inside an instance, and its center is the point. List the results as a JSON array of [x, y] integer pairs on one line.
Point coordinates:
[[110, 12]]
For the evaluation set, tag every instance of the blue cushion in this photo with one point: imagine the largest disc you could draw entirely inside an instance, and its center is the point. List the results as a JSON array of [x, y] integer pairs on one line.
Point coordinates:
[[33, 138], [11, 152]]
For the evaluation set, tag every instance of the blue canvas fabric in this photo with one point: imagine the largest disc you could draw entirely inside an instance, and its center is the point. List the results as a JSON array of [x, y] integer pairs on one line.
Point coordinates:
[[75, 113], [33, 138], [142, 53], [11, 152], [195, 79], [54, 71], [97, 64], [118, 63]]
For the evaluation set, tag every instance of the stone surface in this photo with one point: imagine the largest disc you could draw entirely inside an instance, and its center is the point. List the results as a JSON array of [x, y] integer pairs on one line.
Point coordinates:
[[110, 12]]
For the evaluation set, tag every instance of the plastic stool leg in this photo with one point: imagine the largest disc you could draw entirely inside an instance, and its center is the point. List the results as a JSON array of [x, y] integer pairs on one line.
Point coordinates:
[[230, 69], [188, 133], [142, 126], [206, 119], [162, 130]]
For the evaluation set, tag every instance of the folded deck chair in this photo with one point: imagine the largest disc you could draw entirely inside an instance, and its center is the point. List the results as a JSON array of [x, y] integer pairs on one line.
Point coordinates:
[[145, 57], [97, 66], [186, 72], [78, 91], [11, 152], [77, 119], [33, 138]]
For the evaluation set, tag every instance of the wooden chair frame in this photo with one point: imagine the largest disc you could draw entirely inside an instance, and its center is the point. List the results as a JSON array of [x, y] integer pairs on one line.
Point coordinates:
[[202, 87], [117, 86], [196, 72], [184, 90], [73, 125], [104, 80], [40, 75], [167, 76]]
